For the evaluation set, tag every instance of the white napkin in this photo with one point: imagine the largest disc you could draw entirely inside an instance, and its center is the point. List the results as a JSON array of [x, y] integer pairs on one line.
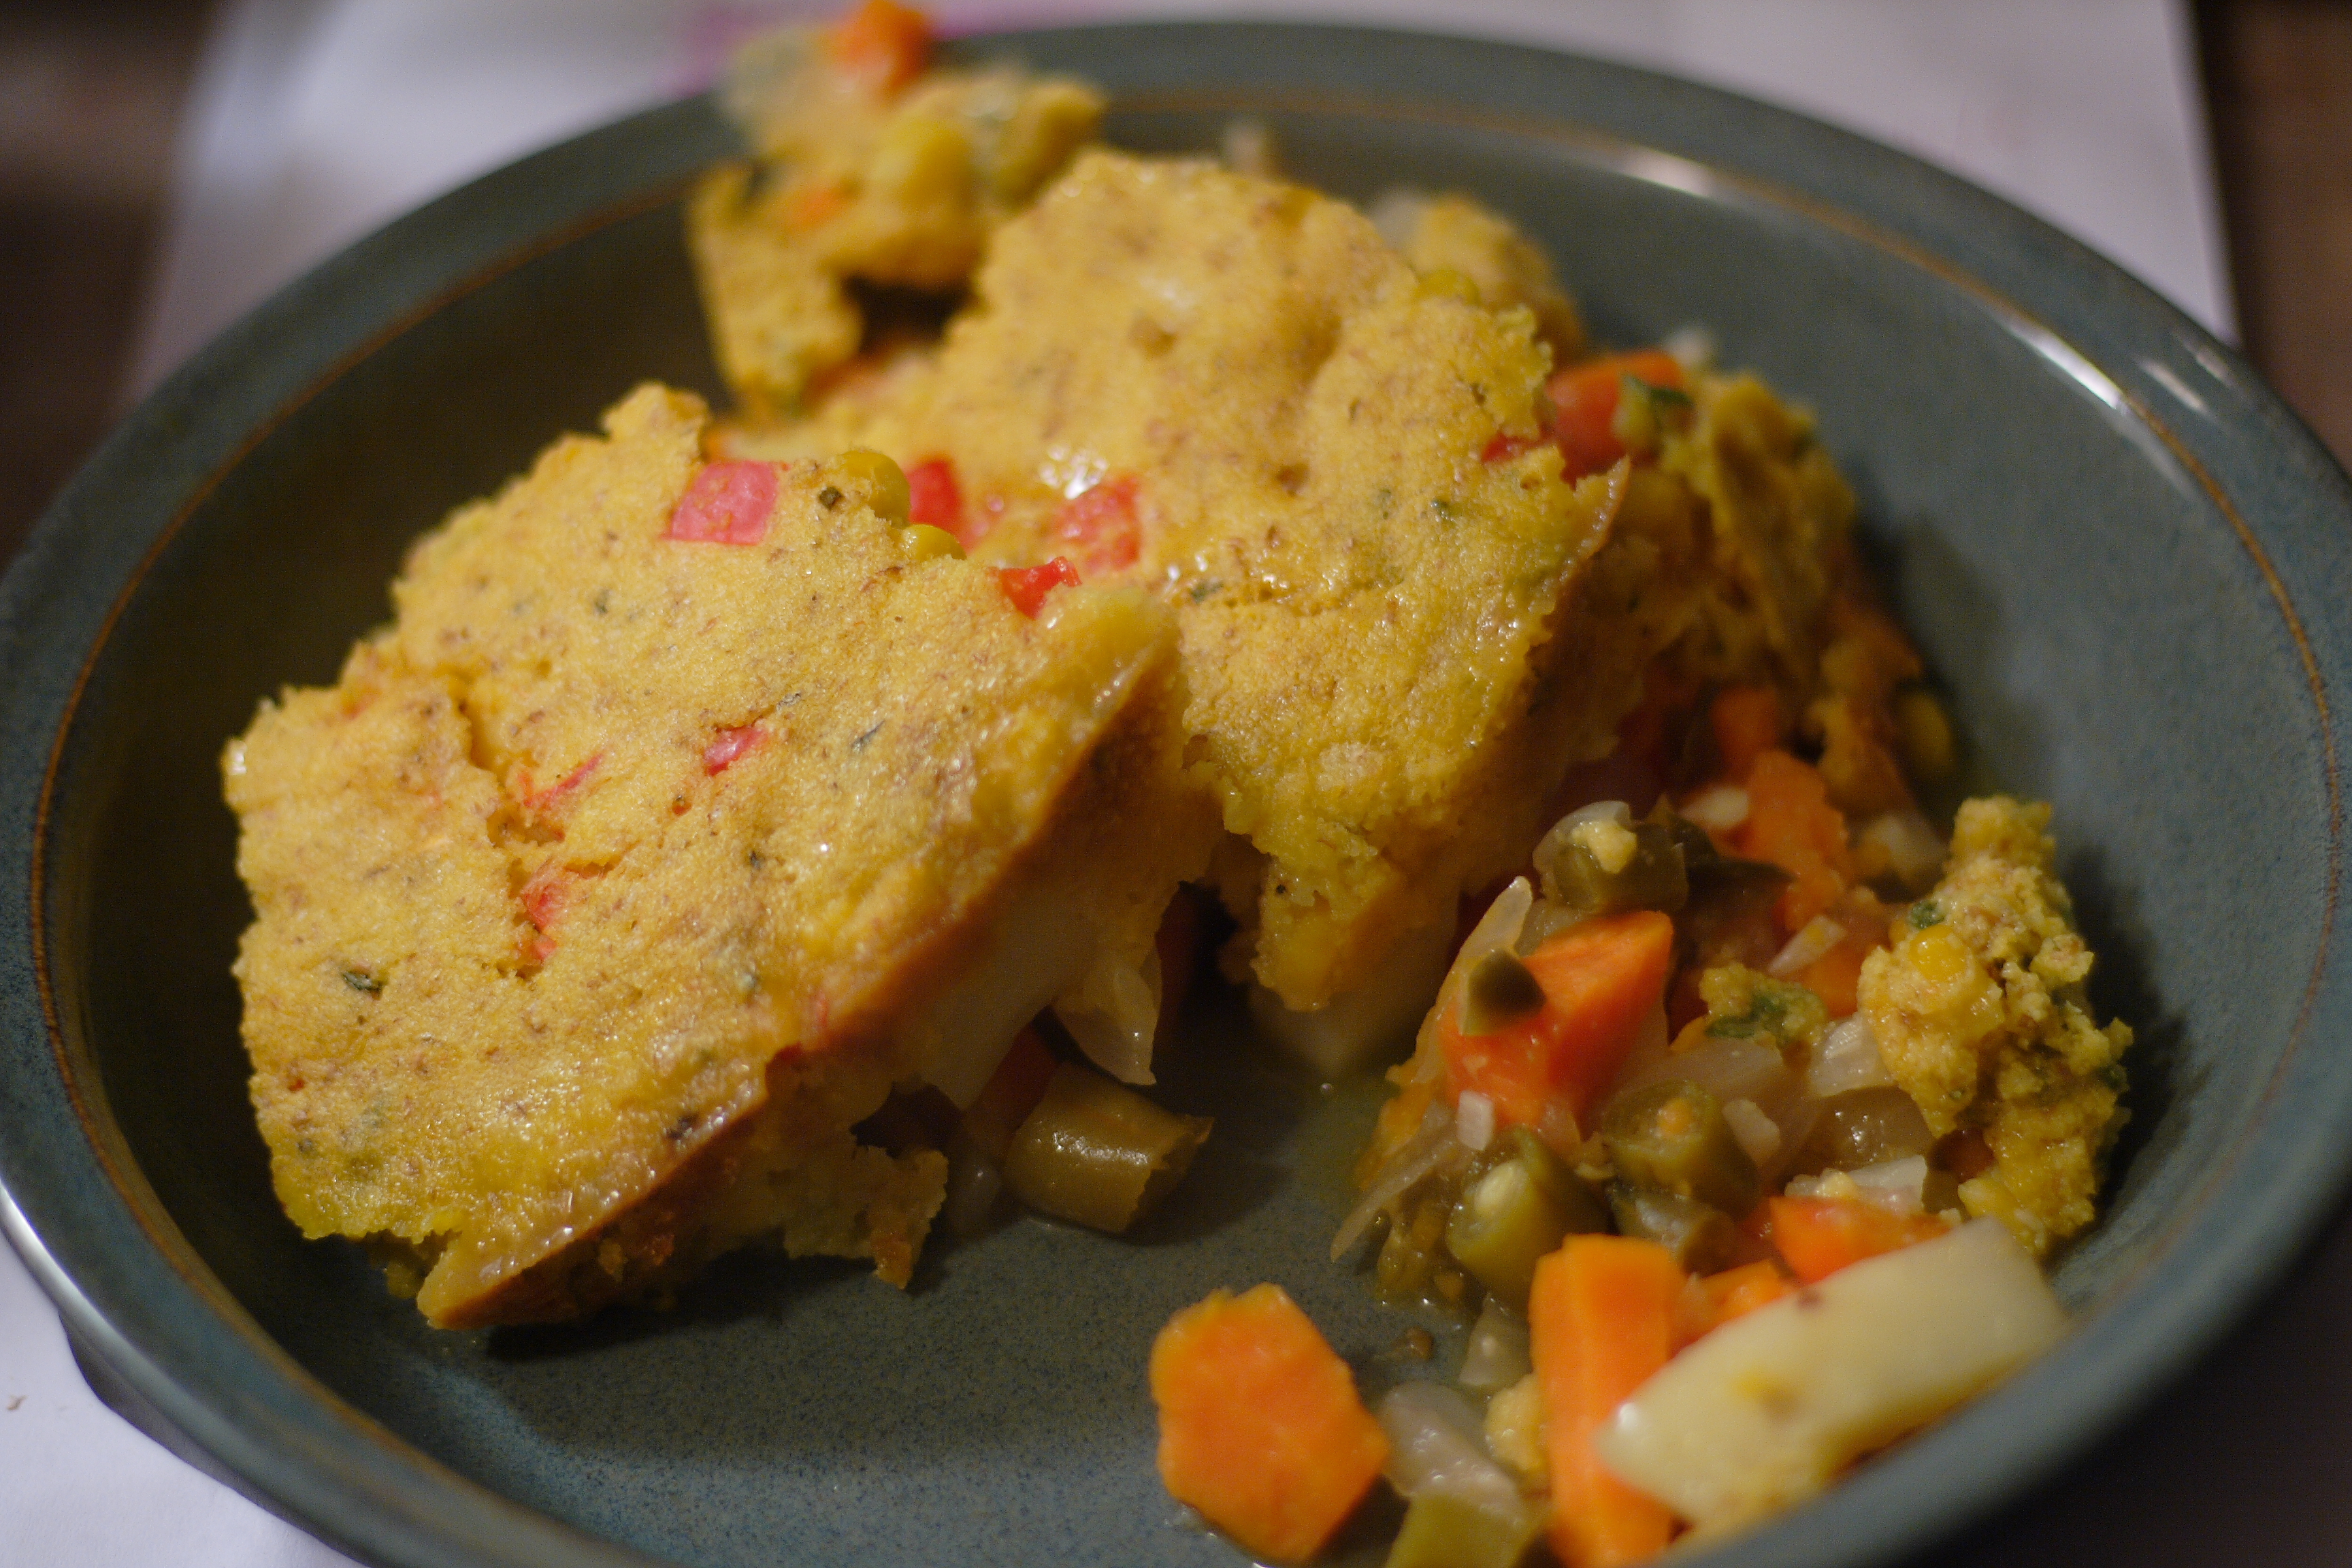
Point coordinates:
[[315, 121]]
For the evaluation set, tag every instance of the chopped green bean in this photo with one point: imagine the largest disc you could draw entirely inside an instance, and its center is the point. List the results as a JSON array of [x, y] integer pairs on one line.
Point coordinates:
[[1592, 864], [1517, 1212], [1671, 1136], [1099, 1153]]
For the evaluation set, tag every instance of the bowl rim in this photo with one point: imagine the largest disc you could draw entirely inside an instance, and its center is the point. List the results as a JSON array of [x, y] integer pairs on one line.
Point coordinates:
[[135, 1296]]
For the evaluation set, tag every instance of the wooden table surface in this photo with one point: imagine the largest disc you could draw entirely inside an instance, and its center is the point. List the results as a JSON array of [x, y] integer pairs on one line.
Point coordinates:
[[2241, 1464]]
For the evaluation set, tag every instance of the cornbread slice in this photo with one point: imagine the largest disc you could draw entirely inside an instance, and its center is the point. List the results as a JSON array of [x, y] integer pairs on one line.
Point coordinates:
[[1234, 391], [681, 813]]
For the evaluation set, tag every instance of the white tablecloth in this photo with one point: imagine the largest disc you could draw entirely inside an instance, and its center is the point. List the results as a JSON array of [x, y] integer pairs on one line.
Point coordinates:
[[315, 121]]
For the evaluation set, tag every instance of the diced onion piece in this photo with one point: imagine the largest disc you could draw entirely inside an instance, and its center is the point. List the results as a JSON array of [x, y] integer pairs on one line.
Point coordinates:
[[1247, 146], [1431, 1146], [1497, 928], [1498, 1356], [1396, 213], [1812, 941], [1473, 1120], [1765, 1411], [1437, 1443], [1757, 1134], [1719, 809], [1039, 946], [1847, 1059], [1648, 1059], [1114, 1013], [1360, 1026], [1911, 845], [1692, 345], [1729, 1069], [1899, 1185]]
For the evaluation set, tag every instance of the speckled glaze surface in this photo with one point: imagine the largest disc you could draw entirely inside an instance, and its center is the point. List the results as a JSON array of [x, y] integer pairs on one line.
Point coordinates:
[[2131, 565]]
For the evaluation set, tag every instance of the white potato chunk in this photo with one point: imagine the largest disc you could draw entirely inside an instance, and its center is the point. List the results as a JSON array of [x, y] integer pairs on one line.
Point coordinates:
[[1765, 1411], [1361, 1028]]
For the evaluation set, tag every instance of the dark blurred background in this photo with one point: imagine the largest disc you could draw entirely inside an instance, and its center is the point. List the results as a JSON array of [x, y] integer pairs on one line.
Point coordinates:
[[91, 95]]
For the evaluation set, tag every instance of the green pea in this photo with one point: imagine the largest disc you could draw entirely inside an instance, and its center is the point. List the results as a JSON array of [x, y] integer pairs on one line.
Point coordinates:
[[884, 482], [1515, 1213]]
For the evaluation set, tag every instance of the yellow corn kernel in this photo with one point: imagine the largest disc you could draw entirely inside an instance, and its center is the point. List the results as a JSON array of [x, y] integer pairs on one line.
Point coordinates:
[[1047, 127], [1635, 422], [922, 159], [1965, 998], [882, 480], [1925, 732], [1445, 282], [1939, 955], [925, 542]]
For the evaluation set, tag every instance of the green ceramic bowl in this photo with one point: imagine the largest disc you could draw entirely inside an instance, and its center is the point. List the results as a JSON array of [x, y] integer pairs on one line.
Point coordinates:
[[2126, 559]]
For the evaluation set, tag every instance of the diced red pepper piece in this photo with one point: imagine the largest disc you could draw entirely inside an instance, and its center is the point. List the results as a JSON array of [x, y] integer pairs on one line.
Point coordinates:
[[1506, 445], [555, 796], [1100, 525], [729, 743], [1027, 586], [544, 899], [881, 46], [933, 496], [727, 503], [1584, 405]]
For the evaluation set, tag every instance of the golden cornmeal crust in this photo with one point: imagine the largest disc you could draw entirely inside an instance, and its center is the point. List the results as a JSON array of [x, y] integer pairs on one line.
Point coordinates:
[[1981, 1017], [593, 900], [1455, 232]]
